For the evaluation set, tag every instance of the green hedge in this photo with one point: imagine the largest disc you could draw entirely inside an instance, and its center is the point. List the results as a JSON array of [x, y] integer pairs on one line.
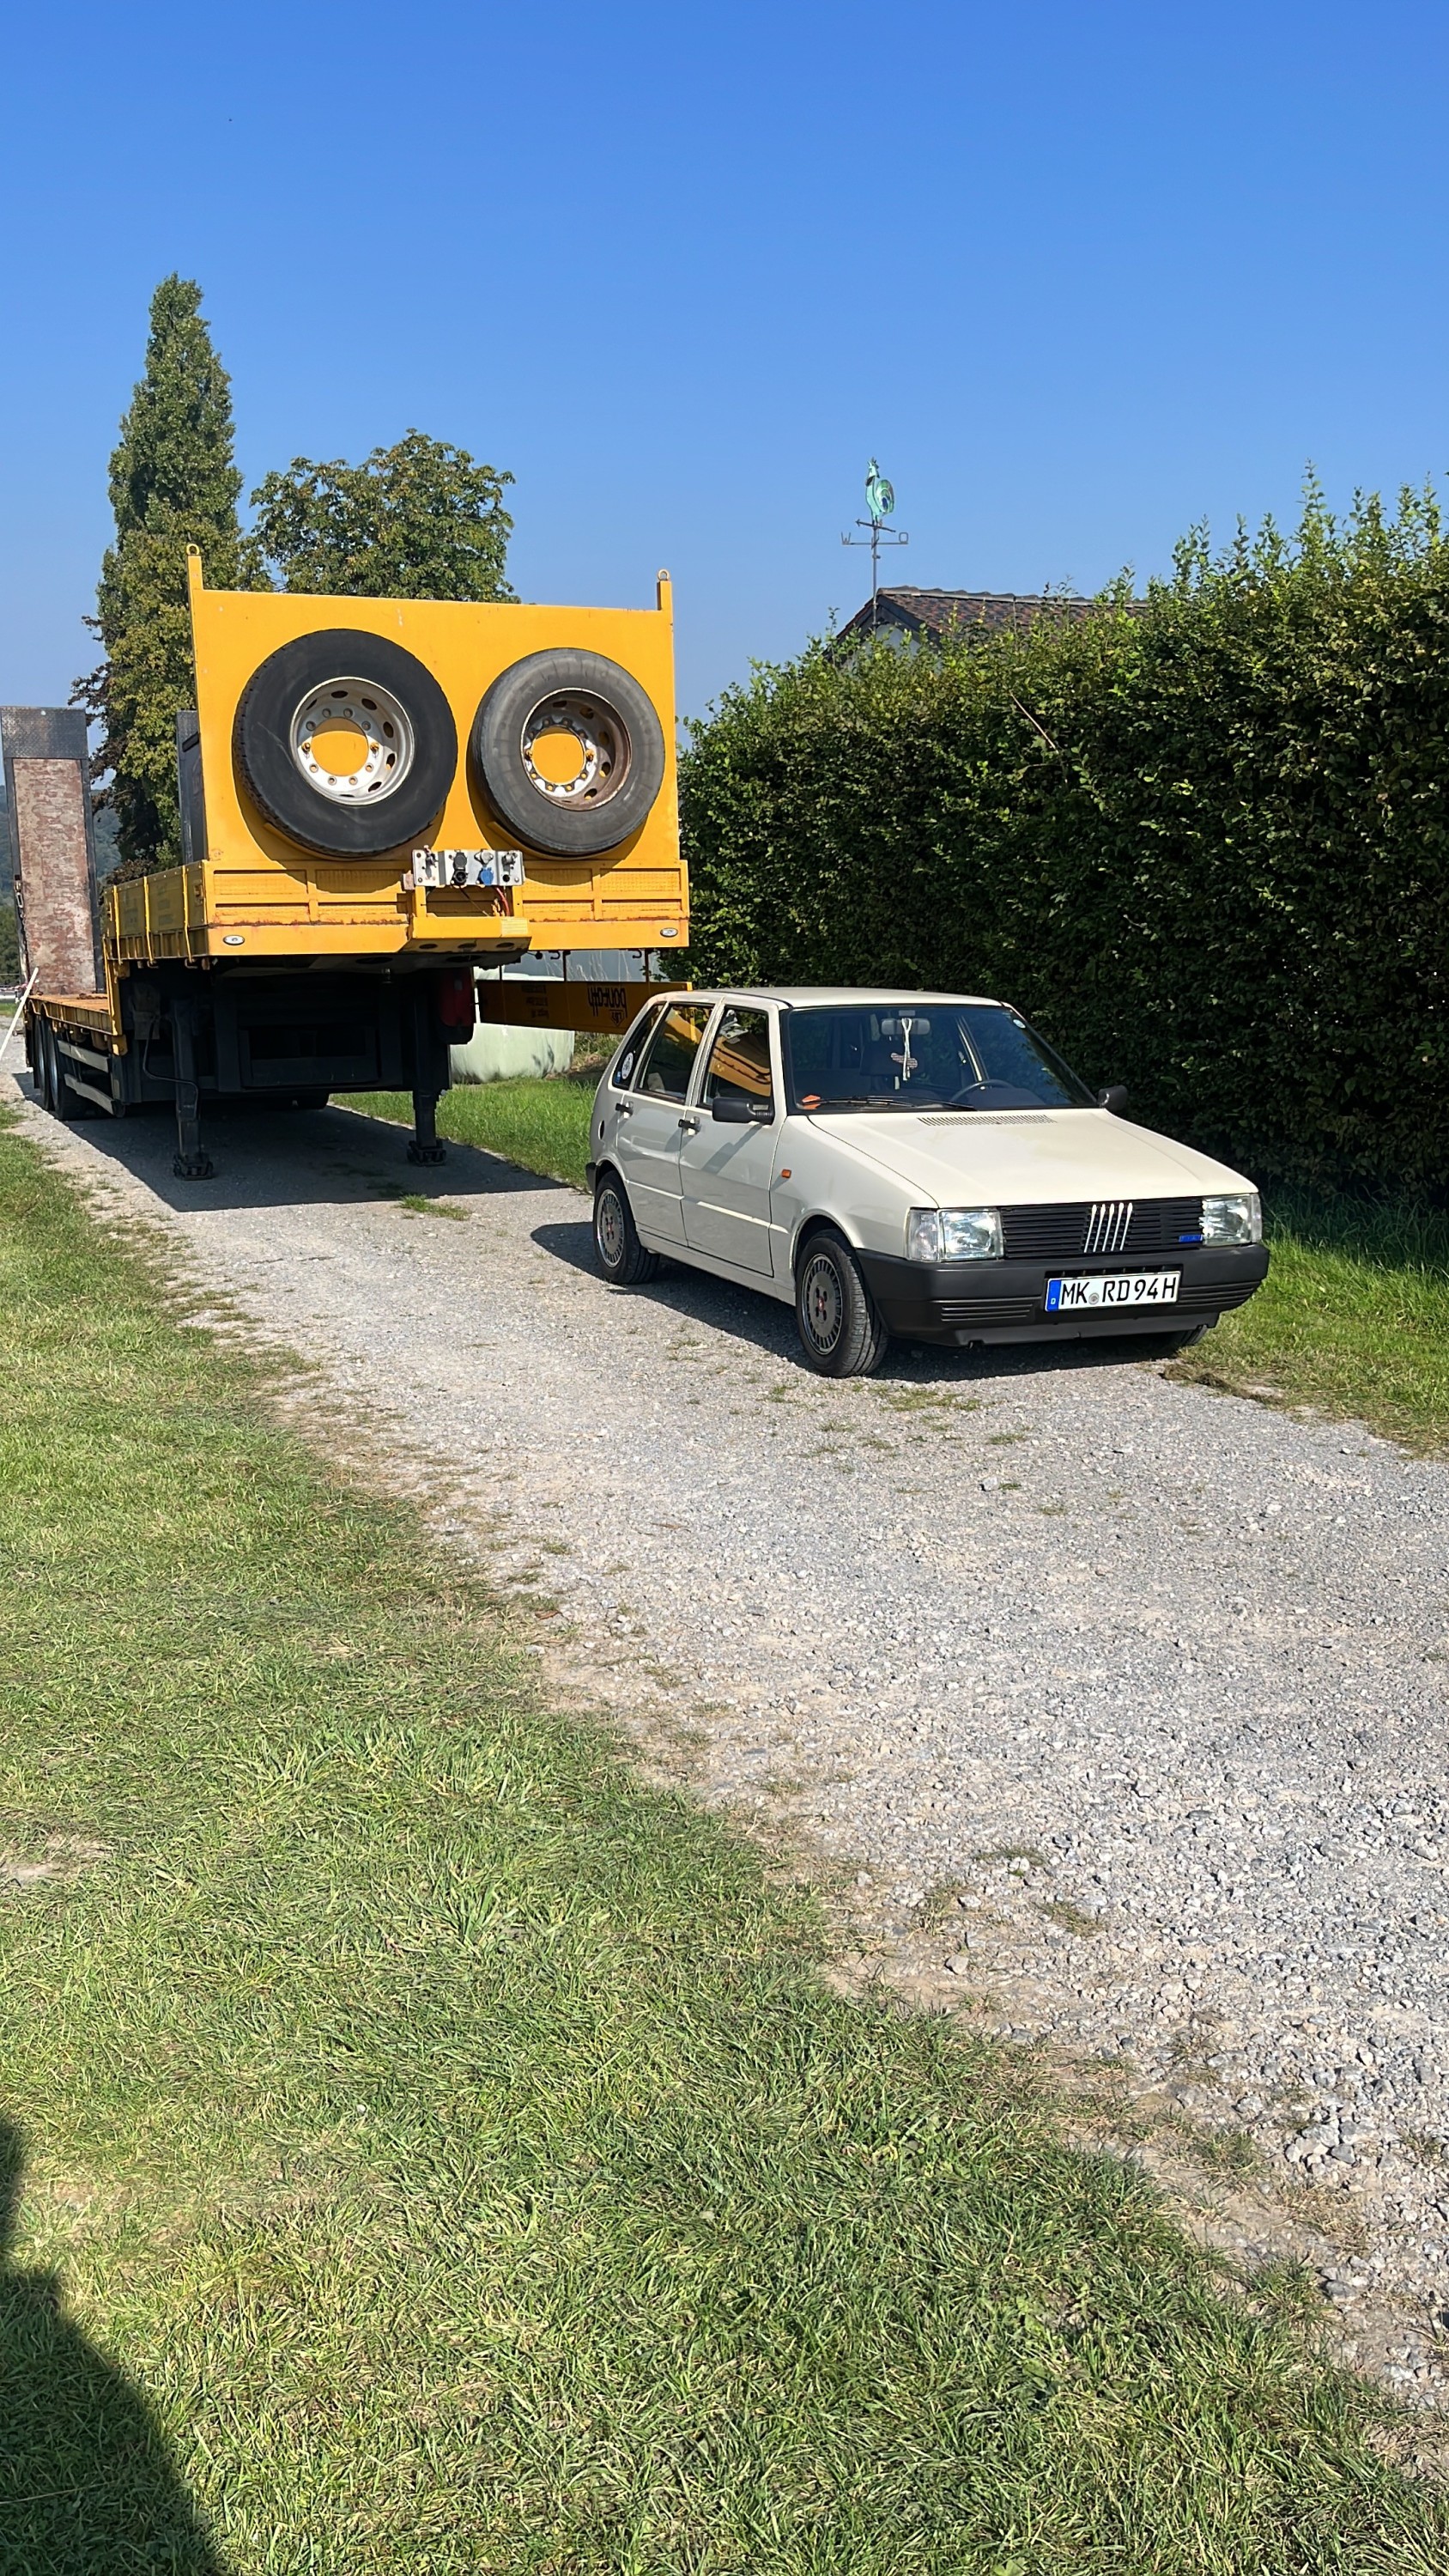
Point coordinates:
[[1202, 843]]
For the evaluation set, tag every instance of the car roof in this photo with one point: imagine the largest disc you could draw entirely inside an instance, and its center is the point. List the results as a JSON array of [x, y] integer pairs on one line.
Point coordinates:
[[795, 997]]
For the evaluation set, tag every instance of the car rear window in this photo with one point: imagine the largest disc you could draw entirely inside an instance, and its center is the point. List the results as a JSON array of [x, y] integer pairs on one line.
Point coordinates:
[[669, 1058], [626, 1063]]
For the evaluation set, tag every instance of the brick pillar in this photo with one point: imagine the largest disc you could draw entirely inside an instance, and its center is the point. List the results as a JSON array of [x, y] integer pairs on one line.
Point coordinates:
[[53, 838]]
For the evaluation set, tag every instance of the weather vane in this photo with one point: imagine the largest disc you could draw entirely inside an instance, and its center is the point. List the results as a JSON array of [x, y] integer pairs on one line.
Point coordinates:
[[880, 501]]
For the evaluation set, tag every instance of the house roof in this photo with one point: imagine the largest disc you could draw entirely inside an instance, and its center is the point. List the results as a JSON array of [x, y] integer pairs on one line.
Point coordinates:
[[935, 613]]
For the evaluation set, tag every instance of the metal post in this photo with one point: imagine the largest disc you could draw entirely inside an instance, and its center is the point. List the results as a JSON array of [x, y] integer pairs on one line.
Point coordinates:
[[424, 1147], [191, 1162], [19, 1019]]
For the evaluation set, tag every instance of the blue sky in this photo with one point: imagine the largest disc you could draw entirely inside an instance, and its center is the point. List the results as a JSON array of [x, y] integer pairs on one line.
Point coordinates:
[[1079, 274]]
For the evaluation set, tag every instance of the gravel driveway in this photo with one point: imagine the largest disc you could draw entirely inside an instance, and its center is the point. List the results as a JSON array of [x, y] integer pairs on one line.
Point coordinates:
[[1119, 1704]]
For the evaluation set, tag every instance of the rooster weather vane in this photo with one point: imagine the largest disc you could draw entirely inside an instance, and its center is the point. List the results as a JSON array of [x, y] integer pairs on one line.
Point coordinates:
[[880, 501]]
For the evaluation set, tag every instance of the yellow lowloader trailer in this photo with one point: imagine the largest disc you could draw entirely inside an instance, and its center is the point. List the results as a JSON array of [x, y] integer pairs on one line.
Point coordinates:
[[378, 797]]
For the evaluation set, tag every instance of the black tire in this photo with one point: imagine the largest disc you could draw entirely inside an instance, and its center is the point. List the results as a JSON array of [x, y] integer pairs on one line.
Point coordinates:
[[618, 1251], [40, 1065], [274, 698], [615, 791], [60, 1100], [840, 1332]]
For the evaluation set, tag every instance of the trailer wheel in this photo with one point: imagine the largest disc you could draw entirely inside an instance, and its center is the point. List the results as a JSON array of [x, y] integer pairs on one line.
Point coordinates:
[[345, 743], [57, 1094], [40, 1064], [570, 753]]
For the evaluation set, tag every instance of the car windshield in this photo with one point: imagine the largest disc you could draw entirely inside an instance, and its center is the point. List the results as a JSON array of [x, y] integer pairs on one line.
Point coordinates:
[[923, 1055]]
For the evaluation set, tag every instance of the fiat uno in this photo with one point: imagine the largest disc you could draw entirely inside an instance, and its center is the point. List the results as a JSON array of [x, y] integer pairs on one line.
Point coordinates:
[[917, 1164]]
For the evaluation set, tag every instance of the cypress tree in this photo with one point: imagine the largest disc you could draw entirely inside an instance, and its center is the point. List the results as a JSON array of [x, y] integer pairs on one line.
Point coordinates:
[[172, 483]]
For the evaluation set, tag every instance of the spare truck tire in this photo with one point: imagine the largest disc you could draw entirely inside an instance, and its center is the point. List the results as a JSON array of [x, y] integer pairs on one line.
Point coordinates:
[[569, 753], [345, 743]]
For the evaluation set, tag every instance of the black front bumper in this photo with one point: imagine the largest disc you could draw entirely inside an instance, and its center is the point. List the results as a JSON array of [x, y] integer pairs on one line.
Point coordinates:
[[1005, 1301]]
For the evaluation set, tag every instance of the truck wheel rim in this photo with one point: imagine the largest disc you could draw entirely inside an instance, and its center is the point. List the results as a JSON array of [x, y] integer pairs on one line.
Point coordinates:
[[601, 742], [822, 1305], [352, 741], [611, 1230]]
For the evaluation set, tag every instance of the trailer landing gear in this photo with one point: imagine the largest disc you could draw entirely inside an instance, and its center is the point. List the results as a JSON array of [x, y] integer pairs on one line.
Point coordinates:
[[191, 1162], [425, 1147]]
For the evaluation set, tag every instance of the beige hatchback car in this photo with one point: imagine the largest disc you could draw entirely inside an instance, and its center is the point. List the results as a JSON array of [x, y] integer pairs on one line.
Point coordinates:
[[920, 1164]]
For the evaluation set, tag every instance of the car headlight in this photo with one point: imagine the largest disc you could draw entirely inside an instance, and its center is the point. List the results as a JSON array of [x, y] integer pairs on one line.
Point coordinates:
[[1237, 1218], [953, 1234]]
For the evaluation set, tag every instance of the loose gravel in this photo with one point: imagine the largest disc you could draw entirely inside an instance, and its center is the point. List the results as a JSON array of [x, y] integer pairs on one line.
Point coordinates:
[[1116, 1706]]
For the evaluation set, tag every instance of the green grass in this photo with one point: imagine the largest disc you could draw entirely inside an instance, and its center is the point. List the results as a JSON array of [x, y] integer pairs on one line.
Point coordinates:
[[439, 2151], [540, 1123], [1353, 1319]]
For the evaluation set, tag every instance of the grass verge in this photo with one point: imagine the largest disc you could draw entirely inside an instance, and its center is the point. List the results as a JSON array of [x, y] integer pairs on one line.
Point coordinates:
[[540, 1123], [438, 2150], [1353, 1320]]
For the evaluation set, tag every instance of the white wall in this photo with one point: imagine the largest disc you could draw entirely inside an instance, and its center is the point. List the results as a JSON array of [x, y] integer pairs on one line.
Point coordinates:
[[493, 1054]]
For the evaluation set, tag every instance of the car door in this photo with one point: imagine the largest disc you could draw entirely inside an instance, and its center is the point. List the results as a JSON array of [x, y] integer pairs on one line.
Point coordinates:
[[612, 1096], [648, 1132], [727, 1155]]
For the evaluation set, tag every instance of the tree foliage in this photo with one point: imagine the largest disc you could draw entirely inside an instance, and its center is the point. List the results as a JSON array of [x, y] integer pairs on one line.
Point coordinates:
[[421, 520], [172, 484], [1203, 840]]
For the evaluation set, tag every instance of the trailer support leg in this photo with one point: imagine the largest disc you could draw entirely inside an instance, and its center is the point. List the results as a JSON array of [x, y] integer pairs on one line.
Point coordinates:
[[191, 1162], [425, 1147]]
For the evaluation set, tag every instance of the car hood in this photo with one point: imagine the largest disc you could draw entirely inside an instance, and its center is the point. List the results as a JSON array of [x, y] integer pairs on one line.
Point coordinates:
[[1026, 1157]]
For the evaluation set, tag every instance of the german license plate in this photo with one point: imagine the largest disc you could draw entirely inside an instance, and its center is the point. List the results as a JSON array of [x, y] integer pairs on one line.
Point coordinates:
[[1117, 1288]]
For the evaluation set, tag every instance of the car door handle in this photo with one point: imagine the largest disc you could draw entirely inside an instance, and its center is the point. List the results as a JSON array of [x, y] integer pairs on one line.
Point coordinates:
[[690, 1125]]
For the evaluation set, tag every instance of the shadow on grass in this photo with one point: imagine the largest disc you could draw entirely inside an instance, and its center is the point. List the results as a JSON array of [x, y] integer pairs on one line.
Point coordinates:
[[1392, 1234], [87, 2477]]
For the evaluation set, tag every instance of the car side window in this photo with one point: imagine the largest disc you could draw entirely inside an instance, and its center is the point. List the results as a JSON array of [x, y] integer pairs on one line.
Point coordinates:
[[739, 1060], [669, 1060], [626, 1063]]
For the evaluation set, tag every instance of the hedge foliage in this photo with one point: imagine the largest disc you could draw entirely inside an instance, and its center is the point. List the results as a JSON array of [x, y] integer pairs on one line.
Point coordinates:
[[1202, 841]]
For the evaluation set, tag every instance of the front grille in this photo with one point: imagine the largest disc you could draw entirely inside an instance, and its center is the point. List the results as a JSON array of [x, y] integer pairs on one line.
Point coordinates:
[[1096, 1228]]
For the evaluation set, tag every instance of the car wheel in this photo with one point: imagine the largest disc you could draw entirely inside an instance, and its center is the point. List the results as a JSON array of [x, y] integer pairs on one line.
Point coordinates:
[[345, 743], [1169, 1342], [570, 753], [621, 1256], [840, 1332]]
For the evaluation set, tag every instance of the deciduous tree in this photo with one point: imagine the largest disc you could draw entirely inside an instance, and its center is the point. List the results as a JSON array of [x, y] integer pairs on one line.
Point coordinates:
[[421, 520]]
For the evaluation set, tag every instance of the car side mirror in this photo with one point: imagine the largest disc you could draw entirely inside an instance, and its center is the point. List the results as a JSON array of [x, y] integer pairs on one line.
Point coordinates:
[[1115, 1097], [762, 1113]]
